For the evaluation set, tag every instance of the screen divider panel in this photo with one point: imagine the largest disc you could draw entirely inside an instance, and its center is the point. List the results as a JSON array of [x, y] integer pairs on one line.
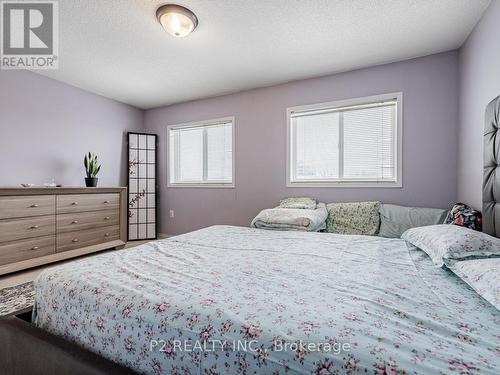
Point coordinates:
[[142, 186]]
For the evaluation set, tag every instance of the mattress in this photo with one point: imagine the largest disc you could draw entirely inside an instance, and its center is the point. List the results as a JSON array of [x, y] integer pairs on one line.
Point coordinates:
[[232, 300]]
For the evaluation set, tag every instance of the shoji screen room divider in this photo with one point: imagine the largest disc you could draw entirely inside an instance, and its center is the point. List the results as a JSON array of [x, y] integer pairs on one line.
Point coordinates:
[[142, 186]]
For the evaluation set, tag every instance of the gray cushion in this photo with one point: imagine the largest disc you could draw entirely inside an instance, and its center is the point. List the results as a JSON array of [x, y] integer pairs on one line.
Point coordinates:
[[394, 220]]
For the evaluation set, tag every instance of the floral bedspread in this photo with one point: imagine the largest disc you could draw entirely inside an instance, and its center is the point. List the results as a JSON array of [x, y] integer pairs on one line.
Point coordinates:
[[232, 300]]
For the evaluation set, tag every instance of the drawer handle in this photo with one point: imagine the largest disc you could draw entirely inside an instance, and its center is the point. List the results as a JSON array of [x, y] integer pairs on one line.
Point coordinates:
[[74, 240], [74, 222], [34, 227], [106, 234], [107, 218], [34, 206], [35, 248], [74, 203], [106, 202]]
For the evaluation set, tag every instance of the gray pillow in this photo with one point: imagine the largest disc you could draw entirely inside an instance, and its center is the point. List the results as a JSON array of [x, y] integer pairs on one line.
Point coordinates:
[[394, 220]]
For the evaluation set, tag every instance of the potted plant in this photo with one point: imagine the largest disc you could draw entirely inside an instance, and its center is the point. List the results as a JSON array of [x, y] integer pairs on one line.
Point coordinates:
[[92, 168]]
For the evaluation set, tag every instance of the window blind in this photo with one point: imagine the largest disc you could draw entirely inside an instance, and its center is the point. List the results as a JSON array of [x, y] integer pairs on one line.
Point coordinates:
[[219, 152], [344, 144], [368, 143], [317, 153], [201, 154]]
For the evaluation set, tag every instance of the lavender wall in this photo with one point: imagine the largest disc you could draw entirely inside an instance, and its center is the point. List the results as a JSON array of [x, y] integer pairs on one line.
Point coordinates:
[[47, 126], [479, 62], [430, 97]]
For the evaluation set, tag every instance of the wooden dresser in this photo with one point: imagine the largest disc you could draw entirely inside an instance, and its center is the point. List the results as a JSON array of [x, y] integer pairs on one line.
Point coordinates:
[[43, 225]]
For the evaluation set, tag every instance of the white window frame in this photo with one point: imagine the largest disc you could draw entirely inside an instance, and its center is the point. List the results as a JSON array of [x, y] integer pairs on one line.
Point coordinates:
[[342, 104], [201, 124]]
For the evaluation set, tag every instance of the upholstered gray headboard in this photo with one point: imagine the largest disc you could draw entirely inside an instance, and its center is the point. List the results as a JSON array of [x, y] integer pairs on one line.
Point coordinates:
[[491, 169]]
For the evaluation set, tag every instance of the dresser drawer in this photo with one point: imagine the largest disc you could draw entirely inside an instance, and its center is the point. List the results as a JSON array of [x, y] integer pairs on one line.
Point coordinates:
[[17, 251], [18, 229], [87, 220], [87, 202], [26, 205], [74, 240]]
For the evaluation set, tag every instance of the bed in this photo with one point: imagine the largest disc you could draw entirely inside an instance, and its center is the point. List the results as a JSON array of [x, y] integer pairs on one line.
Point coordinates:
[[234, 300]]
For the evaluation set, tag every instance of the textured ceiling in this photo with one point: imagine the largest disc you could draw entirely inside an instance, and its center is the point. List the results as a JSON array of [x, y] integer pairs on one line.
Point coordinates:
[[116, 48]]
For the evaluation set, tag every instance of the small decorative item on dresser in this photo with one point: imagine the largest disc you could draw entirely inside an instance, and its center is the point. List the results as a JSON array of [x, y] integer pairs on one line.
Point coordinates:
[[92, 168]]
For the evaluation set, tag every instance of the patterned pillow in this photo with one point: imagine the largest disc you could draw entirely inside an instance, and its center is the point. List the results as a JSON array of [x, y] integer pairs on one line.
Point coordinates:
[[442, 242], [483, 275], [299, 202], [465, 216], [353, 218]]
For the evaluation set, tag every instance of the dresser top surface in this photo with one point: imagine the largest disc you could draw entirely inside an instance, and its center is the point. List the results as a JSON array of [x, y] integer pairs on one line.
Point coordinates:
[[58, 190]]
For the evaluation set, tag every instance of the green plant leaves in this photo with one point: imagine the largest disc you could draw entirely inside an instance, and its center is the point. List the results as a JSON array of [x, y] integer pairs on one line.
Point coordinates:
[[92, 166]]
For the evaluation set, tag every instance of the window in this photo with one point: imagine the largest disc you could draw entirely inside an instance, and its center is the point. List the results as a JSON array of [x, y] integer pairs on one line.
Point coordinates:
[[354, 143], [201, 153]]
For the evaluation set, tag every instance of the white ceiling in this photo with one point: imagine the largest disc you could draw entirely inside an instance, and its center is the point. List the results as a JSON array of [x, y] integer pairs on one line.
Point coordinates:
[[116, 48]]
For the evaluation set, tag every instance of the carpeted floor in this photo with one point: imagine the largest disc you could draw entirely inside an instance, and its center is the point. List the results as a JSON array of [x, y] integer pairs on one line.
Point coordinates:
[[16, 299]]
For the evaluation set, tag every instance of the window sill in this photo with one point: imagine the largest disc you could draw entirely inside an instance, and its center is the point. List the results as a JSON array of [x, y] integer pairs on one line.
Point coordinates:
[[202, 185], [345, 184]]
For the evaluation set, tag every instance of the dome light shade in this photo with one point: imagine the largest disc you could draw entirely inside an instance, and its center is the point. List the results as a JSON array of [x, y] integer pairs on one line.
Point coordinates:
[[176, 20]]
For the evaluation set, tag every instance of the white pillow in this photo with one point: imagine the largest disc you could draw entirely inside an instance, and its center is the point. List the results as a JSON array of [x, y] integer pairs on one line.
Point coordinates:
[[447, 241], [483, 275]]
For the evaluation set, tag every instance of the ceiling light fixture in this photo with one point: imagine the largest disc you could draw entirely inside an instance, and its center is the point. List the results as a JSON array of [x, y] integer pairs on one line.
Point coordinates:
[[176, 20]]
